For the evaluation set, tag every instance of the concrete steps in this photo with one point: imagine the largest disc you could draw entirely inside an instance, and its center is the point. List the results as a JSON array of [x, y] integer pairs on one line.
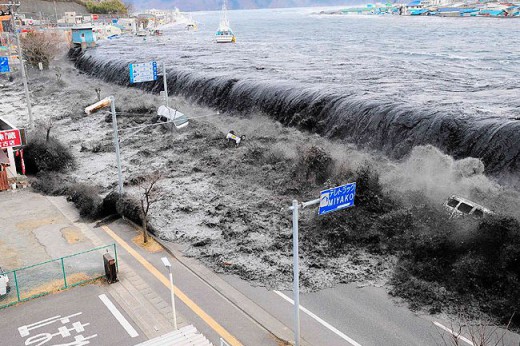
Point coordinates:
[[186, 336]]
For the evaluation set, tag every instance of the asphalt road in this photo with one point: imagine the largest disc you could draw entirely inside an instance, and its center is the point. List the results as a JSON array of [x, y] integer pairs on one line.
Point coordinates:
[[350, 315], [76, 316], [343, 315], [210, 301]]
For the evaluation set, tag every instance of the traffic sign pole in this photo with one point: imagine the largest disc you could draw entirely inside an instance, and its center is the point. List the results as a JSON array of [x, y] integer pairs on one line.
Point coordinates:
[[330, 200], [296, 275], [296, 269], [116, 144], [165, 79]]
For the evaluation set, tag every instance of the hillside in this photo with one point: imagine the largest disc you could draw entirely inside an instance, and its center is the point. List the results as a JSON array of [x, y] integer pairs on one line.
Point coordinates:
[[45, 9], [202, 5]]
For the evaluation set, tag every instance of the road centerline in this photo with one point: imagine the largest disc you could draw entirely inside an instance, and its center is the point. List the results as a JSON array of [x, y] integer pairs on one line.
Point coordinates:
[[119, 316], [181, 295], [321, 321]]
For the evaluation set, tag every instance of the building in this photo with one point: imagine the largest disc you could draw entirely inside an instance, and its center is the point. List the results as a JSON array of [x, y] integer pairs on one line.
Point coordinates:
[[105, 31], [128, 24], [11, 154], [84, 37]]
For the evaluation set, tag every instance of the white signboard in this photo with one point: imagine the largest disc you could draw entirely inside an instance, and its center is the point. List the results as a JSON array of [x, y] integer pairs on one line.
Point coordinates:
[[144, 72]]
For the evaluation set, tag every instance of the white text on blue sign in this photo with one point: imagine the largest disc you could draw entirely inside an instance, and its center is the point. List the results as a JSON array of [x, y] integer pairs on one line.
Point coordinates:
[[337, 198]]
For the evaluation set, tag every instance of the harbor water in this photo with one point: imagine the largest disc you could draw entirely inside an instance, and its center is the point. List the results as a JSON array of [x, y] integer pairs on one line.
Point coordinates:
[[383, 82]]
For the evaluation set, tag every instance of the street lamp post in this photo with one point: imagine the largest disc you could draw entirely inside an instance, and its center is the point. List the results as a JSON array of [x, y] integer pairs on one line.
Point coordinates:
[[168, 265], [116, 143], [101, 104]]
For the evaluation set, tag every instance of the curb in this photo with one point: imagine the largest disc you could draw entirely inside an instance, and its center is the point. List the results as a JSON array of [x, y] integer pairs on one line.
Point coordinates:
[[266, 321]]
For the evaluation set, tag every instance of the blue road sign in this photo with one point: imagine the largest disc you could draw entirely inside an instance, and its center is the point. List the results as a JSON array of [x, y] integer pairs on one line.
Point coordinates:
[[4, 64], [337, 198], [144, 72]]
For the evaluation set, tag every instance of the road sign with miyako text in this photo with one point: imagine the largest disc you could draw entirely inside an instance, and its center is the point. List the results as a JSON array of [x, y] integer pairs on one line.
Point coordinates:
[[144, 72], [337, 198], [10, 138]]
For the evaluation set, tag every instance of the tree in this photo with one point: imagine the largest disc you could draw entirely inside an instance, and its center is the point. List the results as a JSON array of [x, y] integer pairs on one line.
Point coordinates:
[[46, 123], [40, 47], [480, 332], [129, 7], [150, 194], [107, 7]]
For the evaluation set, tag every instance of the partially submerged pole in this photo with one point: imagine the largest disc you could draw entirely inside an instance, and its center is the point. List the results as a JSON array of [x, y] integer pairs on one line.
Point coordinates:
[[116, 144], [22, 65], [296, 275], [165, 81]]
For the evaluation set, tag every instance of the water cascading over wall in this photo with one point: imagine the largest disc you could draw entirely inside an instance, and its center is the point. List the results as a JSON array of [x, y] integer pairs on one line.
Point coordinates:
[[391, 128]]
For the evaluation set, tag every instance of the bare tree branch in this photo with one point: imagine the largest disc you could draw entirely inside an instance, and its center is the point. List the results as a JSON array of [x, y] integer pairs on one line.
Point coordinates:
[[150, 194], [40, 47]]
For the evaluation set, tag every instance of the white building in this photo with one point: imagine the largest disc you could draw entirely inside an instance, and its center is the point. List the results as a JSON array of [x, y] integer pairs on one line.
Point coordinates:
[[128, 24]]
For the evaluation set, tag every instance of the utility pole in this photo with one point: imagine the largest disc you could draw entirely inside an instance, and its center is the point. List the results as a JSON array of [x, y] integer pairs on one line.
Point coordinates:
[[55, 13], [11, 6], [165, 82]]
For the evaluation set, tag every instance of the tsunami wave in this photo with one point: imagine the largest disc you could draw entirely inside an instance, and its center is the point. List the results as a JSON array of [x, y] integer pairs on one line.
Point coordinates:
[[395, 129]]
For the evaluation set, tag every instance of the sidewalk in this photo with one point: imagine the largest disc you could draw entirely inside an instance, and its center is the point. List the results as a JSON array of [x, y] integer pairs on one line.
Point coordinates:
[[36, 228], [148, 310], [204, 300]]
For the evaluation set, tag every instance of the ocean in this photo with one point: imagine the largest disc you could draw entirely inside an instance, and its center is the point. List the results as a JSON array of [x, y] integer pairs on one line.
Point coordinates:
[[383, 82]]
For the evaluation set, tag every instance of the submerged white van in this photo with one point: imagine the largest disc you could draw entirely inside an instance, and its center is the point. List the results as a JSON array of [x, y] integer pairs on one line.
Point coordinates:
[[459, 206]]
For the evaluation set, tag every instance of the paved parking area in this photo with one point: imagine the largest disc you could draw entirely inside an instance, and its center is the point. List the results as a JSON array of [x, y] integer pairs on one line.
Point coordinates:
[[82, 316], [33, 230]]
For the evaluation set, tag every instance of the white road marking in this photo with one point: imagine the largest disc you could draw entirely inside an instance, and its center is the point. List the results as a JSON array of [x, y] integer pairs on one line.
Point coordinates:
[[120, 318], [325, 324], [458, 336], [26, 330]]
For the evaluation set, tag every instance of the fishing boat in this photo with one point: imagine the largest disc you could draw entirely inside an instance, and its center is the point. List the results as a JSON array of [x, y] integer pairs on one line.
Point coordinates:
[[224, 33]]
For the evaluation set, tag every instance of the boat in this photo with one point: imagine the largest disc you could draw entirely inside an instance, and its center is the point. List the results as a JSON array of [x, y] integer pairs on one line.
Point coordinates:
[[224, 33]]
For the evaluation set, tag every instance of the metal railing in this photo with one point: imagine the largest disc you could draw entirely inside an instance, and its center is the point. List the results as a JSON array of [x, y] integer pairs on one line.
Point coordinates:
[[54, 275]]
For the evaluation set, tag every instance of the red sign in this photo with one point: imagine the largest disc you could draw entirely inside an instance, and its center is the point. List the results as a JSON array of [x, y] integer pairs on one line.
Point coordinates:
[[95, 17], [10, 138]]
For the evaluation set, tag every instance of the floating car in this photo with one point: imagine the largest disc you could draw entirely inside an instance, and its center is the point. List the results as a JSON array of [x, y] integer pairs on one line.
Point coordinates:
[[459, 206], [168, 114]]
